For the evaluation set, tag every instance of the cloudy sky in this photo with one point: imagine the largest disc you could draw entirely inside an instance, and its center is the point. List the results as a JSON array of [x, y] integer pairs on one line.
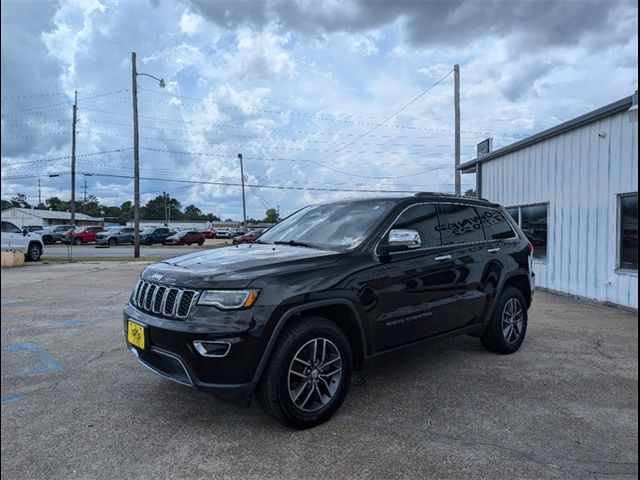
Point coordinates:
[[306, 90]]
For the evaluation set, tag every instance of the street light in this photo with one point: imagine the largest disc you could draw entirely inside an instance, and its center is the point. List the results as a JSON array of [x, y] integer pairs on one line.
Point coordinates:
[[136, 153]]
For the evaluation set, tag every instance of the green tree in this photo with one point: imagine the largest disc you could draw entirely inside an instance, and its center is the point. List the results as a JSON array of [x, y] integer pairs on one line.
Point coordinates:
[[20, 201], [191, 212], [471, 193], [154, 209], [6, 204], [126, 209], [54, 203], [272, 216], [212, 218], [91, 207]]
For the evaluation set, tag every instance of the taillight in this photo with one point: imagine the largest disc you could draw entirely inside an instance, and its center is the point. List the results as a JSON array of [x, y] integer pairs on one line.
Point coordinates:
[[530, 248]]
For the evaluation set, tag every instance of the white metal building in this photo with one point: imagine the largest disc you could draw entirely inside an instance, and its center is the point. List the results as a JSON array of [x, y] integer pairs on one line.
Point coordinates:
[[574, 191], [23, 217]]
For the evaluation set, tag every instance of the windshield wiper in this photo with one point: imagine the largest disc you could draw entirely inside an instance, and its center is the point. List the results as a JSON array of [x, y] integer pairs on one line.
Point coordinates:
[[260, 241], [294, 243]]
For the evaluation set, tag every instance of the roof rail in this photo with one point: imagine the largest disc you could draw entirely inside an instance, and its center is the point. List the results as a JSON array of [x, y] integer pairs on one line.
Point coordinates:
[[436, 194], [446, 194]]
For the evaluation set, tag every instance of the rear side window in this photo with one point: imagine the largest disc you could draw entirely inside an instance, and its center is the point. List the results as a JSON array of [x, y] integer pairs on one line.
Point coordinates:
[[496, 226], [424, 219], [460, 224]]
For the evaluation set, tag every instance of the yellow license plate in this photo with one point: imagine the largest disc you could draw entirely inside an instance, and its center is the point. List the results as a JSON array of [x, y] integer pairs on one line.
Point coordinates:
[[135, 334]]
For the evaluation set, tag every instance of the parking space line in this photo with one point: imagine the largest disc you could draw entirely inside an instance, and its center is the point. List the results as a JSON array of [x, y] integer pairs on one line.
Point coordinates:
[[45, 363]]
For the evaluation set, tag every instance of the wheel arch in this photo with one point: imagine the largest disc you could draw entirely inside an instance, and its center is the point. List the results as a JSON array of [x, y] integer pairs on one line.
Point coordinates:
[[518, 279], [340, 311], [521, 282]]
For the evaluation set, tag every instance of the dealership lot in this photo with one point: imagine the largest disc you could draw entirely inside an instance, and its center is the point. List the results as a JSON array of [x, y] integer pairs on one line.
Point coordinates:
[[61, 252], [76, 404]]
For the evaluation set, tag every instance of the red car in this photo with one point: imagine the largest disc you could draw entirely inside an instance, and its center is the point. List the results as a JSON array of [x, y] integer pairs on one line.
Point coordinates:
[[208, 233], [250, 236], [186, 237], [82, 235]]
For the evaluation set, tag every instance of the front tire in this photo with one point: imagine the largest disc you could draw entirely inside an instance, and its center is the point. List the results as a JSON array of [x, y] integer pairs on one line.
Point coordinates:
[[508, 325], [78, 241], [33, 253], [308, 375], [113, 242]]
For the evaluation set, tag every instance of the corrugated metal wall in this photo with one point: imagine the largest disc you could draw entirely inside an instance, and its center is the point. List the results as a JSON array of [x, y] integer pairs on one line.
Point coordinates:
[[580, 175]]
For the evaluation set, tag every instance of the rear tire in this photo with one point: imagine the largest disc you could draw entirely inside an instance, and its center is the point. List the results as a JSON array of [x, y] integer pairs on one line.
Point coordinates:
[[308, 375], [508, 325], [78, 241], [201, 242], [47, 240]]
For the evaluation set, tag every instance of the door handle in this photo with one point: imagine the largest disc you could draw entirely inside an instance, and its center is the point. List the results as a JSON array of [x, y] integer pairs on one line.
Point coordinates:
[[443, 257], [493, 250]]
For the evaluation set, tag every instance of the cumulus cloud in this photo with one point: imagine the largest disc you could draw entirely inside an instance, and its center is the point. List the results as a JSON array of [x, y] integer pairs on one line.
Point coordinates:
[[291, 85], [537, 23]]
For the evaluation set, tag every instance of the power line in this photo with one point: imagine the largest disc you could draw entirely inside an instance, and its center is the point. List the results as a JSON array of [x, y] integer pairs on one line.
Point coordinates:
[[415, 99], [227, 184], [65, 157], [38, 109]]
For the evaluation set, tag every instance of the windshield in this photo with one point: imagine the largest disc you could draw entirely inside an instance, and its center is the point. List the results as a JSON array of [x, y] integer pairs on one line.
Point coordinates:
[[335, 226], [148, 230]]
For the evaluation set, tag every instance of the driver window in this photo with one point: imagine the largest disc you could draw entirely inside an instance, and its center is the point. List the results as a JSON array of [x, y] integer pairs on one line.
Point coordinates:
[[424, 219]]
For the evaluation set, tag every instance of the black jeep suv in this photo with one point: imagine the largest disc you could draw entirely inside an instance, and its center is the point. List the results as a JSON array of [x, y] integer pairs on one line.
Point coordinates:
[[292, 315]]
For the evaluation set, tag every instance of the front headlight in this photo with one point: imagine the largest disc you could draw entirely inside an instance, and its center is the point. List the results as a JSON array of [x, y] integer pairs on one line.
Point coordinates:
[[229, 299]]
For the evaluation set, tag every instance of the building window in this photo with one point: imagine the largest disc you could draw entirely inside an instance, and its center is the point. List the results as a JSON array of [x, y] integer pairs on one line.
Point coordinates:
[[532, 219], [629, 231]]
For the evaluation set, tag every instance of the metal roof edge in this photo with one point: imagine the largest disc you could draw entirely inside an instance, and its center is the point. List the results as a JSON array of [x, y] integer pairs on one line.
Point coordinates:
[[615, 107]]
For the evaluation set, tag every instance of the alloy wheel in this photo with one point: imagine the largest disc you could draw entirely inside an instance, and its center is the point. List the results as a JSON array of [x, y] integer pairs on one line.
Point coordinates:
[[512, 320], [314, 374]]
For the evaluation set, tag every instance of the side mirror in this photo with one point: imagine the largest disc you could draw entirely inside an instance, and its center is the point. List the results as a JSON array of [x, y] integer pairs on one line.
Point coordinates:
[[24, 232], [402, 239]]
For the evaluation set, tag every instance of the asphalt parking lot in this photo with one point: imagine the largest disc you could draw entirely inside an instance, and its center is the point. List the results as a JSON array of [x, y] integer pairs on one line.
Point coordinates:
[[76, 404]]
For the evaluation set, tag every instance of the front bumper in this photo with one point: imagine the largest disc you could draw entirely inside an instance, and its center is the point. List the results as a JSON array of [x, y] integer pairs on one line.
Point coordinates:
[[170, 352]]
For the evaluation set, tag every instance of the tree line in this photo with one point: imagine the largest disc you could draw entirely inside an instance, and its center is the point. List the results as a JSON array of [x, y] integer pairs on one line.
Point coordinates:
[[154, 209]]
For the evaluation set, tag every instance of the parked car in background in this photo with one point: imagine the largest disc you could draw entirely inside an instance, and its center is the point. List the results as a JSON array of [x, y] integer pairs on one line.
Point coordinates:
[[248, 237], [223, 233], [238, 232], [29, 243], [115, 236], [186, 237], [51, 235], [83, 235], [152, 235], [208, 233]]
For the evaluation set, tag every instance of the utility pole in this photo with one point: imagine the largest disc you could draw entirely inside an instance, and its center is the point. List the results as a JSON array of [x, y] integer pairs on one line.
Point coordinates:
[[166, 212], [85, 192], [456, 107], [136, 160], [72, 206], [39, 193], [244, 207]]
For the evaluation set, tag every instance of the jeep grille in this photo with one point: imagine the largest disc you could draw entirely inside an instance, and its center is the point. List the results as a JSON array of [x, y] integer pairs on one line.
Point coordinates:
[[163, 300]]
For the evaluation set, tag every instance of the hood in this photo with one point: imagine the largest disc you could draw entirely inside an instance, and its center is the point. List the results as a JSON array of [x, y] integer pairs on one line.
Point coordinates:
[[235, 266]]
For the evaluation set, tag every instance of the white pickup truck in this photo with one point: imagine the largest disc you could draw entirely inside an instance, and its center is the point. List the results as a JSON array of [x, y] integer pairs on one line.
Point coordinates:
[[29, 243]]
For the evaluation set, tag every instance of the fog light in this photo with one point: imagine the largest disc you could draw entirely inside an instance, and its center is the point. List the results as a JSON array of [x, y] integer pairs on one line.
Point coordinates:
[[212, 349]]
